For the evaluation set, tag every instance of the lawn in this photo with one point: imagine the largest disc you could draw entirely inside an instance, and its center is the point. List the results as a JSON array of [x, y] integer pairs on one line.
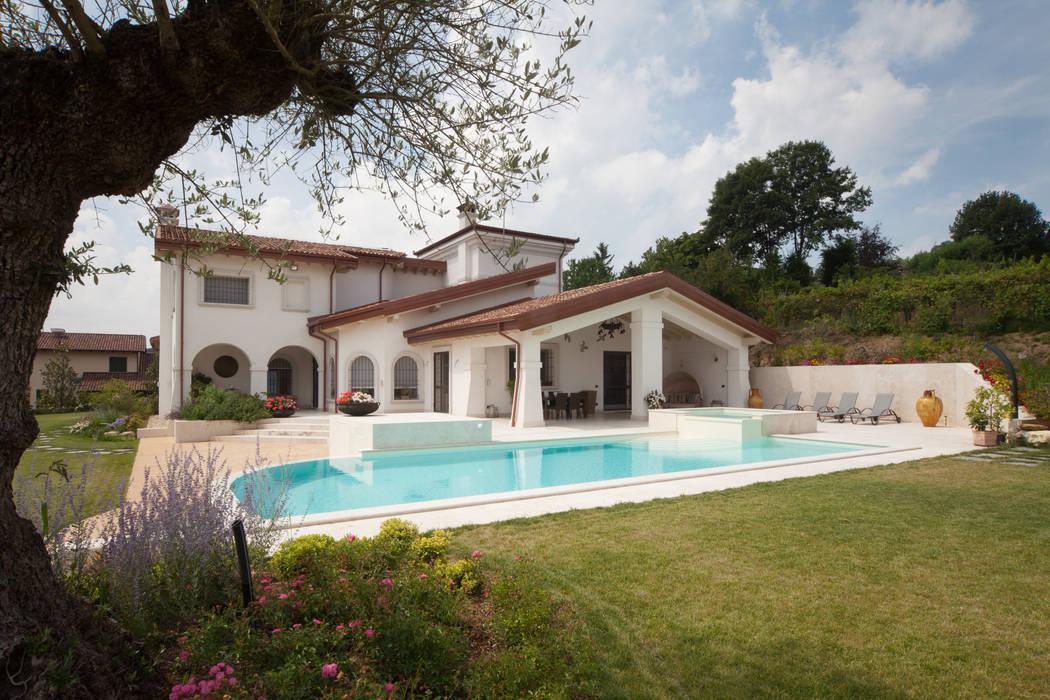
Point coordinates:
[[927, 578], [109, 460]]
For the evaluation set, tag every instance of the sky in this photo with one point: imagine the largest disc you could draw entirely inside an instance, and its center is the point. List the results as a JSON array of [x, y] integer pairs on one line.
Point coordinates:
[[930, 103]]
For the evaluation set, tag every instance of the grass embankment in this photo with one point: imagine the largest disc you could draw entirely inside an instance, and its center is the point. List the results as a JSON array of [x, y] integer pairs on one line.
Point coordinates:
[[925, 579], [109, 460]]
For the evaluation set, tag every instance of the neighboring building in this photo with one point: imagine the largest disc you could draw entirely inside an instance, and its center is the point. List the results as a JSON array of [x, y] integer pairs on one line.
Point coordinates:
[[441, 331], [95, 357]]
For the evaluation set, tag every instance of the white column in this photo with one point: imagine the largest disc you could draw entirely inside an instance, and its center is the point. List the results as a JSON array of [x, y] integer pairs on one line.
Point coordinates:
[[530, 394], [257, 381], [187, 380], [647, 357], [738, 384], [467, 394]]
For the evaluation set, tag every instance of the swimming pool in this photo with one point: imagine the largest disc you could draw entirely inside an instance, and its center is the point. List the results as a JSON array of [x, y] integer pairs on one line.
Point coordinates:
[[420, 476]]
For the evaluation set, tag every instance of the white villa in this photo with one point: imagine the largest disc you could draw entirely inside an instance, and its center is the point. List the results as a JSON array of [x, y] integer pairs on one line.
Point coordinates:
[[452, 329]]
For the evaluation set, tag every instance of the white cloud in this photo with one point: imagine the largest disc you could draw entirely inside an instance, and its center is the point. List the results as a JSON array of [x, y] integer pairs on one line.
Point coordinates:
[[891, 31], [920, 170]]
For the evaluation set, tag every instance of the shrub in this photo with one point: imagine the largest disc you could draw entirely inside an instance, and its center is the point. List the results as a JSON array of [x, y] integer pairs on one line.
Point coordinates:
[[117, 398], [431, 548], [214, 403], [303, 555], [169, 557]]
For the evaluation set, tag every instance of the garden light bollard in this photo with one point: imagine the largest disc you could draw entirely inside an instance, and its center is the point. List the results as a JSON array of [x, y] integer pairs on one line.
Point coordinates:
[[243, 566]]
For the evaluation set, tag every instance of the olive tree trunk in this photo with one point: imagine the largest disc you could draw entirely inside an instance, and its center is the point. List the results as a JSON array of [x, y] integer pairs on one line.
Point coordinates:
[[71, 130]]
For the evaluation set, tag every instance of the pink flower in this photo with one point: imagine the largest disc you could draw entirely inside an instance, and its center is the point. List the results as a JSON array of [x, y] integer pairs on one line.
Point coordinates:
[[389, 687], [184, 655], [283, 596], [338, 627], [275, 630], [265, 580], [387, 583], [476, 553], [296, 626], [266, 588], [355, 623], [316, 621], [351, 538], [422, 576], [517, 558], [262, 600], [369, 632], [329, 671], [232, 681]]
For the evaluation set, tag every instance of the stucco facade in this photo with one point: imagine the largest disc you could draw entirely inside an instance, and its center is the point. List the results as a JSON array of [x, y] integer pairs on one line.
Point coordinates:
[[413, 330], [119, 354]]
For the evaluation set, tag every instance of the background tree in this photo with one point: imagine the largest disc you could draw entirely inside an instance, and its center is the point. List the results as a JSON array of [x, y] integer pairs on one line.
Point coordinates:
[[1015, 227], [424, 99], [793, 198], [594, 269], [874, 249], [59, 381]]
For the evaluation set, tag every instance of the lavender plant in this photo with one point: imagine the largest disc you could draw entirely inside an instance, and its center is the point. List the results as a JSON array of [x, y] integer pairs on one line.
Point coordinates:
[[169, 556], [56, 500]]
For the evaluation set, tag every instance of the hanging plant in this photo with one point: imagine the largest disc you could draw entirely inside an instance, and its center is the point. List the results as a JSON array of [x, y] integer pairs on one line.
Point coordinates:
[[610, 328]]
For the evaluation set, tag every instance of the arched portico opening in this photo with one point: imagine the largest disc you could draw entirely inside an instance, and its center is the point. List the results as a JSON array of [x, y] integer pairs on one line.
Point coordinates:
[[226, 365], [293, 371]]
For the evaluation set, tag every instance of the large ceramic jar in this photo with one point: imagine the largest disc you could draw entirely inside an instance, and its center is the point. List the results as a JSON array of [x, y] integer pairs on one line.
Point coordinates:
[[755, 400], [929, 407]]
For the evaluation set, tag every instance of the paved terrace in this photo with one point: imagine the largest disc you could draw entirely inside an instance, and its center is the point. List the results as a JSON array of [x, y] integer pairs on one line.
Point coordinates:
[[918, 442]]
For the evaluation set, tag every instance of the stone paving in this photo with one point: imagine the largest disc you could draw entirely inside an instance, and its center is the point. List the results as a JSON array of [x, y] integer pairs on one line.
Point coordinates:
[[1016, 456]]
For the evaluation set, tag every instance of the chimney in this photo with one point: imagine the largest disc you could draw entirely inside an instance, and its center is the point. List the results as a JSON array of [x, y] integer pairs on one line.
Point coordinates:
[[167, 215], [468, 214]]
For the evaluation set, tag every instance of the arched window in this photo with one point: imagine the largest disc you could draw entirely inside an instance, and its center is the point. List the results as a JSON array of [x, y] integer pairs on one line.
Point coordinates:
[[363, 375], [279, 377], [406, 379], [331, 377]]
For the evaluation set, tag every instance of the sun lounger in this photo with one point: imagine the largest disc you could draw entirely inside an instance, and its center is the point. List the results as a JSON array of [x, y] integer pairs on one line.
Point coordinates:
[[847, 407], [820, 403], [881, 409], [791, 402]]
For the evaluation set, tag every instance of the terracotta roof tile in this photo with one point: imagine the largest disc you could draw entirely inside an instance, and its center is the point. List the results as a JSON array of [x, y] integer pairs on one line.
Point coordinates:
[[98, 342], [542, 310], [93, 381], [167, 236], [485, 228]]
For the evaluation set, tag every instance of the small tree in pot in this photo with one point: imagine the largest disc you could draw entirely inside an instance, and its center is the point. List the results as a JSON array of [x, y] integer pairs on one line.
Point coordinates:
[[986, 411]]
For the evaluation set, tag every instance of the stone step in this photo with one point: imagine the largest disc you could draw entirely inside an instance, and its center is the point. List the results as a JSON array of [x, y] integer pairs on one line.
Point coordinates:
[[321, 422], [256, 437], [283, 430]]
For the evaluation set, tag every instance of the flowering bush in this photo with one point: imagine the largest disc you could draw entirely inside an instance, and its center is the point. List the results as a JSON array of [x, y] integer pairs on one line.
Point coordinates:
[[355, 397], [655, 399], [281, 403], [377, 618]]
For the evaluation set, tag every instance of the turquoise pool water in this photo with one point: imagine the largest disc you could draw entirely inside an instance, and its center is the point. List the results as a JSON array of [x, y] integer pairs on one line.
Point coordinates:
[[327, 485]]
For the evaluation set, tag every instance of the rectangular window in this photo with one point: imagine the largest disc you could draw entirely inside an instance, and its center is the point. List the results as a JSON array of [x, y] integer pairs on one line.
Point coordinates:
[[226, 290], [546, 366], [118, 364]]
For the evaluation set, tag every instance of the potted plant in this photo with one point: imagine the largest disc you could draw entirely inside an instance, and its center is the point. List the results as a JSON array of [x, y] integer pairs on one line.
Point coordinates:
[[986, 410], [356, 403], [655, 399], [281, 406]]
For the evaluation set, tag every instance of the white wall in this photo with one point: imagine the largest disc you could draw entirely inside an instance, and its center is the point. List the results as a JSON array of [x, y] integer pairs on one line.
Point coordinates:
[[954, 383], [697, 357]]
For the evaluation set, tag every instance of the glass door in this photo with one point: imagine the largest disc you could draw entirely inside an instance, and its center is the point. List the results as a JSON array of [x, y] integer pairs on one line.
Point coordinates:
[[441, 382]]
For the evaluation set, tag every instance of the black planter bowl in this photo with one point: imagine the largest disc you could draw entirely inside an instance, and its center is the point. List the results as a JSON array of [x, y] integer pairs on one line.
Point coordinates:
[[358, 409], [283, 413]]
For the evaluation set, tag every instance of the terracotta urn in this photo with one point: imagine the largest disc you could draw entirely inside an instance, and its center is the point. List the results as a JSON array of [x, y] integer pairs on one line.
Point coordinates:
[[755, 400], [929, 407]]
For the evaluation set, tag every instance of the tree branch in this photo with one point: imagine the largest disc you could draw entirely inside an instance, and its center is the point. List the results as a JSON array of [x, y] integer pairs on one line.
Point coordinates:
[[67, 33], [272, 33], [168, 41], [85, 26]]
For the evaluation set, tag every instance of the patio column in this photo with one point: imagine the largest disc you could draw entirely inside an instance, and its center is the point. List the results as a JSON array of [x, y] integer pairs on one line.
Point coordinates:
[[647, 357], [738, 383], [257, 380], [530, 394], [468, 384]]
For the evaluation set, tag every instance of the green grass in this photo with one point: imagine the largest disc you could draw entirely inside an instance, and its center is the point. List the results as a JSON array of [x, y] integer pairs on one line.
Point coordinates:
[[926, 578], [106, 474]]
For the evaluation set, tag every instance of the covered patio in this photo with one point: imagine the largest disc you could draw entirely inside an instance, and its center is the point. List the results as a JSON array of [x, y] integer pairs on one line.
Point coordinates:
[[610, 345]]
